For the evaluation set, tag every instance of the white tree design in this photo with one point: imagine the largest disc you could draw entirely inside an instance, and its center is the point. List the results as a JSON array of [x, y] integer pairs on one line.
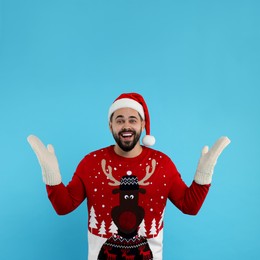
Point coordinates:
[[161, 220], [153, 228], [102, 230], [113, 228], [142, 229], [92, 220]]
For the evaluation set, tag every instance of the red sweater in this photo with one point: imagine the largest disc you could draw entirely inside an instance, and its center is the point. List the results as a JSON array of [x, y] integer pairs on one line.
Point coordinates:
[[126, 195]]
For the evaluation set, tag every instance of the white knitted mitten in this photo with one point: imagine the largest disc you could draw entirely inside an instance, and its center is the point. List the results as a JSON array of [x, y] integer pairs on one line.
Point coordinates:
[[208, 160], [47, 159]]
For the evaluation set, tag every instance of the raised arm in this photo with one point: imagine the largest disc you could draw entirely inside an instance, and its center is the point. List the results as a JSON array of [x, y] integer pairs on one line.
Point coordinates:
[[64, 199], [190, 199]]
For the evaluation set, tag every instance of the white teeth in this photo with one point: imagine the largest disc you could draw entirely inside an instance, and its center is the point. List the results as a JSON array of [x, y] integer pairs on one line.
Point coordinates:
[[126, 135]]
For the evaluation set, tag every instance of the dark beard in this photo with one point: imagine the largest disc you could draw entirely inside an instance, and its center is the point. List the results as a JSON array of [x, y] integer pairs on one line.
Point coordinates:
[[127, 145]]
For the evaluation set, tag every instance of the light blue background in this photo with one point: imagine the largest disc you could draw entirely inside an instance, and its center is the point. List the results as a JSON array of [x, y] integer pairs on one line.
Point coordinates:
[[62, 64]]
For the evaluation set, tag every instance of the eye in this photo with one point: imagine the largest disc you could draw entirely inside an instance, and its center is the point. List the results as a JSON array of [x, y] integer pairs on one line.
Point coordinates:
[[119, 121], [132, 197], [132, 121], [126, 197]]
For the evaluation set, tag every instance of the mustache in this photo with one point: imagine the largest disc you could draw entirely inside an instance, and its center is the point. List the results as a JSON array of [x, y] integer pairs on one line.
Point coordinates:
[[127, 130]]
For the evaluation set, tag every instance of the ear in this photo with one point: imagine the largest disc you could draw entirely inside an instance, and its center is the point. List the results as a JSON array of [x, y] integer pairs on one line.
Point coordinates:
[[141, 190], [115, 191], [143, 125], [110, 126]]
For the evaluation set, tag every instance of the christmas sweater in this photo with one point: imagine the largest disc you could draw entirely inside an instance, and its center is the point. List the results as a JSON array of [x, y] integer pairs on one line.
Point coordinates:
[[126, 200]]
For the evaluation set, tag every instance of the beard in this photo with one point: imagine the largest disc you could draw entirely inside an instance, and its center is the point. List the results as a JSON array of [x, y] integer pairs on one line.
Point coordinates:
[[126, 145]]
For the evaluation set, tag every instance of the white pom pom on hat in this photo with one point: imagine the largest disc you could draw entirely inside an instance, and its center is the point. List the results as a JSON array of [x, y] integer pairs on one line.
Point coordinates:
[[148, 140], [136, 102]]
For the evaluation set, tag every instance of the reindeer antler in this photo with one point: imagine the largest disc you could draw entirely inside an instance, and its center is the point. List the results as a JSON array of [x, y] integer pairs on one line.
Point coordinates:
[[109, 174], [148, 174]]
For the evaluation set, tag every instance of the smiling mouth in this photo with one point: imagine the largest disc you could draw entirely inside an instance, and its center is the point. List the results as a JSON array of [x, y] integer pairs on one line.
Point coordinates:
[[127, 135]]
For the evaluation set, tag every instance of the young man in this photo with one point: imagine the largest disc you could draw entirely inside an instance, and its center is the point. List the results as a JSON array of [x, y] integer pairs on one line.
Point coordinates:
[[126, 185]]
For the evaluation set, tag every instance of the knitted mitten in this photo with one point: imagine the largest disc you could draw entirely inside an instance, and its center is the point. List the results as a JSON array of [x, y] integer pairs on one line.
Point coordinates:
[[47, 159], [208, 160]]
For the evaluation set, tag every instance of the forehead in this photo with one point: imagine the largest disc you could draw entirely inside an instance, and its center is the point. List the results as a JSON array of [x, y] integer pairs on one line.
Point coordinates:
[[126, 112]]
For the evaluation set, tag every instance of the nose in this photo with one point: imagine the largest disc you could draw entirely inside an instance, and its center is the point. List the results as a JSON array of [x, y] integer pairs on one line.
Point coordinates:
[[126, 125]]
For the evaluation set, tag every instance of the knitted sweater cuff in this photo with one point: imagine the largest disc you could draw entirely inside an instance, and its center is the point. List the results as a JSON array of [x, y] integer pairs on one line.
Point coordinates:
[[52, 179], [203, 178]]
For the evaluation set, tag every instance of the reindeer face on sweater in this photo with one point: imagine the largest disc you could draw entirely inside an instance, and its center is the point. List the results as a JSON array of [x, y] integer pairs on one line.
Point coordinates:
[[128, 215]]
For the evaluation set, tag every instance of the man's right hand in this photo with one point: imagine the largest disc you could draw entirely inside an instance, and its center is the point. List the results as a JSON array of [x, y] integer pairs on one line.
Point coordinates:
[[47, 159]]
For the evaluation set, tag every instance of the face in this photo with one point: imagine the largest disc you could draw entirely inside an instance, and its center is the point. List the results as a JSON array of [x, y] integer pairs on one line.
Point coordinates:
[[126, 126]]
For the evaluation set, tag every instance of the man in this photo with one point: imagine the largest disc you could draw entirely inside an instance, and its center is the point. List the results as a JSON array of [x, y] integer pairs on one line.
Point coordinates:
[[126, 185]]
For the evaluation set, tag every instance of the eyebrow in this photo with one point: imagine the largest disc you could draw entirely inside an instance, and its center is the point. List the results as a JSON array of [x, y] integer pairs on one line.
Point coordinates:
[[121, 116]]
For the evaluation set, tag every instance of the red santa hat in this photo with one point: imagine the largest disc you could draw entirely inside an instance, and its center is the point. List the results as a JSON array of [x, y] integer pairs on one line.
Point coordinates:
[[136, 102]]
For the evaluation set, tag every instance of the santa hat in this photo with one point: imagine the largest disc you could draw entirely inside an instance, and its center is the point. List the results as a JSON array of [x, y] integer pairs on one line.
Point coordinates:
[[136, 102]]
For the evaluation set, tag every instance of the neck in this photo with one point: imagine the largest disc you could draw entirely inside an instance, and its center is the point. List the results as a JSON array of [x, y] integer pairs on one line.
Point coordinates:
[[131, 154]]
